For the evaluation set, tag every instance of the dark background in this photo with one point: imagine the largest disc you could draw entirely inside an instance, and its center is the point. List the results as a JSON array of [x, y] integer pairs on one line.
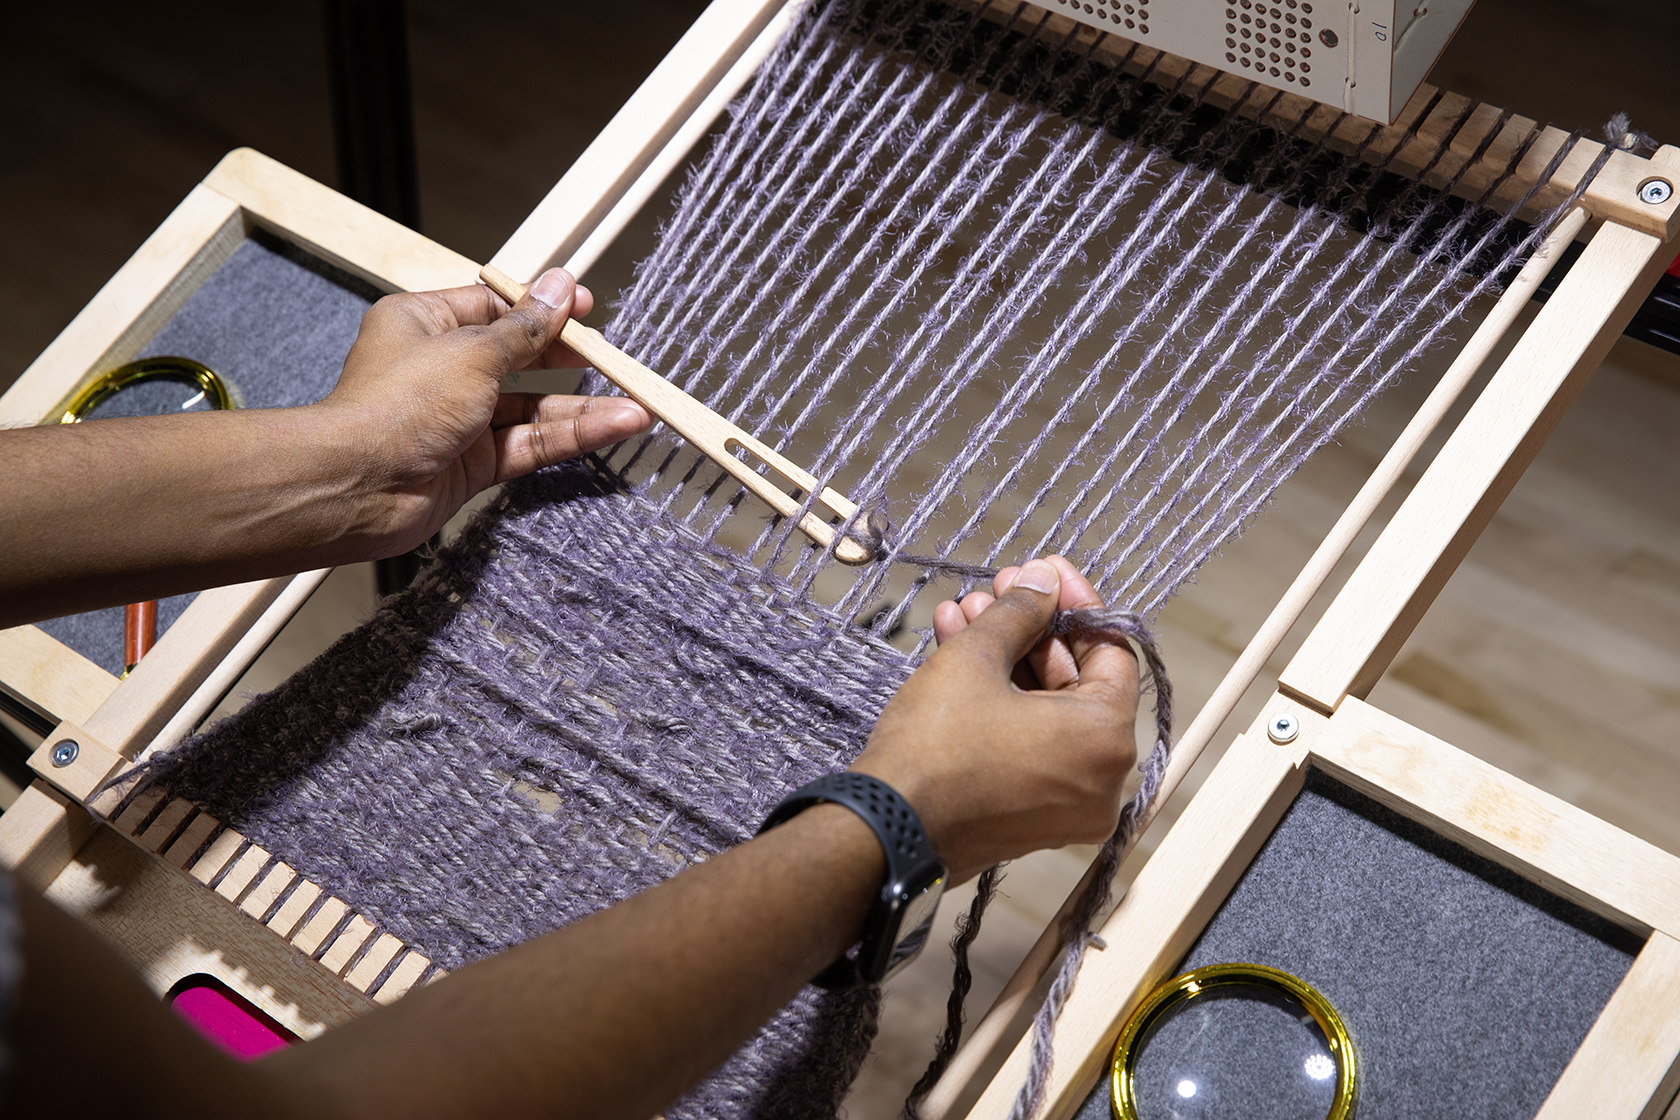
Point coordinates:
[[113, 111]]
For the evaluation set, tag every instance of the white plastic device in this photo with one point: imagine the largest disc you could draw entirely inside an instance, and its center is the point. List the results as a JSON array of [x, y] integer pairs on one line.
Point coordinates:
[[1365, 56]]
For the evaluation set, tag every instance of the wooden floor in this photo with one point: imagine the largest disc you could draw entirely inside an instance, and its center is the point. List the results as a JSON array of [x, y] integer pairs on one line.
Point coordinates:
[[1553, 653]]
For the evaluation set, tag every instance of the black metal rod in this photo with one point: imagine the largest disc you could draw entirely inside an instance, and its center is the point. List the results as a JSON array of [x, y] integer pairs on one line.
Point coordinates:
[[373, 106], [373, 138]]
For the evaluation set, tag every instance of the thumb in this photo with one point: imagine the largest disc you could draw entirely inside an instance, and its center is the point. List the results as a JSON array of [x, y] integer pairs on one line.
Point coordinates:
[[525, 331], [1009, 628]]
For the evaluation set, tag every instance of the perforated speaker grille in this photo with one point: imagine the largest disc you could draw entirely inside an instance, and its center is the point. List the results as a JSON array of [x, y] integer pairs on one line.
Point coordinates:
[[1122, 16], [1274, 39]]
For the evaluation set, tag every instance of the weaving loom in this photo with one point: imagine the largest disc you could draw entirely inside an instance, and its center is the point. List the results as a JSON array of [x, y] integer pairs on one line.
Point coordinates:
[[1247, 270]]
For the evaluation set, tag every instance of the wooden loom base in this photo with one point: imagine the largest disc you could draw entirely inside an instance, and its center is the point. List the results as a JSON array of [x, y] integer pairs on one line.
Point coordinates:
[[1542, 838], [309, 214], [171, 928]]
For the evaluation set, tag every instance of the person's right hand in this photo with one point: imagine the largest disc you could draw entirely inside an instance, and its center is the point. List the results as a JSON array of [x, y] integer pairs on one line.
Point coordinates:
[[1005, 741]]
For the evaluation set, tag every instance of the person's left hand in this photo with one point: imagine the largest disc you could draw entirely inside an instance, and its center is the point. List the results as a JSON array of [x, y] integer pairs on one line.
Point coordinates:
[[420, 394], [1053, 663], [1006, 741]]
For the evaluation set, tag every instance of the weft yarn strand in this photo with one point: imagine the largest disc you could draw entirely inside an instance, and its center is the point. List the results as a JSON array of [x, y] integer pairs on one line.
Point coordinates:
[[985, 278]]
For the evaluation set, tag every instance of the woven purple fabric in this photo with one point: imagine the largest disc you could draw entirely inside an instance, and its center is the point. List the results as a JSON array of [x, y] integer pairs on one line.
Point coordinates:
[[655, 688], [1126, 316]]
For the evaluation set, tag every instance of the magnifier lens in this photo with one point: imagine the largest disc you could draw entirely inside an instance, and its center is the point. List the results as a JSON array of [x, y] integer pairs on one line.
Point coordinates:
[[1238, 1050], [150, 387], [161, 395]]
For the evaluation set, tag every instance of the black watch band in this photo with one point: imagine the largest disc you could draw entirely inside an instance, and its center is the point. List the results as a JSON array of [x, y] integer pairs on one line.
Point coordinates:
[[895, 929]]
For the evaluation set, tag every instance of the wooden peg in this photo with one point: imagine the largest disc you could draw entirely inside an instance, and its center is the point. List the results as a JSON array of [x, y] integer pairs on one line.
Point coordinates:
[[718, 439]]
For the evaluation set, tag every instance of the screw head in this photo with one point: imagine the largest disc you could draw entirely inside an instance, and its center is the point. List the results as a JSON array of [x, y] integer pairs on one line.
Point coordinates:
[[1656, 191], [1283, 728], [65, 752]]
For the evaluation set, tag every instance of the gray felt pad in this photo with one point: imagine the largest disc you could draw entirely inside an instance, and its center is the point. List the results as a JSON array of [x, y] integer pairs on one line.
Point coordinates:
[[275, 323], [1466, 988]]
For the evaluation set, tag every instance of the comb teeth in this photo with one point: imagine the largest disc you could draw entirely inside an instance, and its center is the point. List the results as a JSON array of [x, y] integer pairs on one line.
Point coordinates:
[[265, 890]]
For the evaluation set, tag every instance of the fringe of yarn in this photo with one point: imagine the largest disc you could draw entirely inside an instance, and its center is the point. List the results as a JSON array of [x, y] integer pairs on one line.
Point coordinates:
[[962, 979]]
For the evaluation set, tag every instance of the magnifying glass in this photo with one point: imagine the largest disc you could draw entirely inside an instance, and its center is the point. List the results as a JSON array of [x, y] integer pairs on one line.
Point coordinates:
[[148, 387], [1234, 1040]]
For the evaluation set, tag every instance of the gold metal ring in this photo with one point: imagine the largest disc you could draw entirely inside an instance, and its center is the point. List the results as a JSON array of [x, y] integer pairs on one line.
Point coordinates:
[[107, 385], [1200, 981], [140, 619]]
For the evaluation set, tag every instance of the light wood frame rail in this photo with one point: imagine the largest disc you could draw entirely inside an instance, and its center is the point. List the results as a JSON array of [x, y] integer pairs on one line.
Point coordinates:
[[146, 906], [43, 834]]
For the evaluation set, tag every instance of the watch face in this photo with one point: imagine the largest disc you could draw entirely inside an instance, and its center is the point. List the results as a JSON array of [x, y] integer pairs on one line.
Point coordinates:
[[920, 908], [913, 926]]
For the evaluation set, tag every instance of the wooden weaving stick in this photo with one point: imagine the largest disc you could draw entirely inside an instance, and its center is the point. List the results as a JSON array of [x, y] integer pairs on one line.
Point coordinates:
[[711, 434]]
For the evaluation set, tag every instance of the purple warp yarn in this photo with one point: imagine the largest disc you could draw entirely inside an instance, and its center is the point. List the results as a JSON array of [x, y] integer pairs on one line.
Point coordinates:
[[621, 665]]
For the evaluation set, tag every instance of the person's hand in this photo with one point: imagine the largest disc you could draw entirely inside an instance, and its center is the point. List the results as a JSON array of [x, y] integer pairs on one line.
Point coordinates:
[[1005, 741], [420, 396]]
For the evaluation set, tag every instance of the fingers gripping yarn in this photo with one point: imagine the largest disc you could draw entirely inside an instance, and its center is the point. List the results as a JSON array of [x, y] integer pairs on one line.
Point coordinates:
[[943, 253], [1075, 931]]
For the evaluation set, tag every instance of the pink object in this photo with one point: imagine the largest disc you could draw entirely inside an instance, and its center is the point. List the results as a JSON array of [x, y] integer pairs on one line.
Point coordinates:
[[227, 1018]]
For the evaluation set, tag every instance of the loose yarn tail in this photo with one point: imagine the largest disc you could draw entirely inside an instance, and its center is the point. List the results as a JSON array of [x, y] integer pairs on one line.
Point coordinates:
[[1076, 928], [1076, 931], [962, 979]]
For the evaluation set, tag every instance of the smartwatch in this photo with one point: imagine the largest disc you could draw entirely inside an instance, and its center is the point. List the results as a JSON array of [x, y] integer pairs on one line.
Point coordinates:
[[902, 913]]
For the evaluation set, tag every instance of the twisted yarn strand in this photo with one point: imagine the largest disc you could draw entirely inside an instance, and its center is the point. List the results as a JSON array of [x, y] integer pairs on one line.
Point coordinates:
[[980, 275]]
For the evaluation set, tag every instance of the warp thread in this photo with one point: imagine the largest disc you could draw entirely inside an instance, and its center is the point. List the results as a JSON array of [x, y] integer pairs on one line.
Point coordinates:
[[869, 249], [1076, 933], [1158, 124]]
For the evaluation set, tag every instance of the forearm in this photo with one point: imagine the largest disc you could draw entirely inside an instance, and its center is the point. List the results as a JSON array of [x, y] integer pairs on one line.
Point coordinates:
[[117, 511], [613, 1016], [617, 1014]]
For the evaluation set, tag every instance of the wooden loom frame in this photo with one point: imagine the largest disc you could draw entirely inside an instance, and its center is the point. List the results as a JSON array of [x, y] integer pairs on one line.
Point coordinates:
[[201, 656], [157, 915], [152, 908]]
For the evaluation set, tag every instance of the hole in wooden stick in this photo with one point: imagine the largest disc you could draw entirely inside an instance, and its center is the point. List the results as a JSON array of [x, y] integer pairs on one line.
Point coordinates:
[[772, 474]]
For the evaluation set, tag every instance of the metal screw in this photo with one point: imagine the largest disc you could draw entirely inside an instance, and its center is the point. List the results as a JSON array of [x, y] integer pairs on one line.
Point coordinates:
[[1656, 192], [1283, 729], [65, 752]]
